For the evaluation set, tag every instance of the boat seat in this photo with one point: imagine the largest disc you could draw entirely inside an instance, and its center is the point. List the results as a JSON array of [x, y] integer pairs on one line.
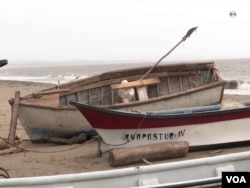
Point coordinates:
[[136, 83], [140, 86]]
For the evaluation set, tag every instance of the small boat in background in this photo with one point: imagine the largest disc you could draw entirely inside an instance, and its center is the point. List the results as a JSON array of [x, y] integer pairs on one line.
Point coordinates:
[[48, 114], [202, 127], [3, 62]]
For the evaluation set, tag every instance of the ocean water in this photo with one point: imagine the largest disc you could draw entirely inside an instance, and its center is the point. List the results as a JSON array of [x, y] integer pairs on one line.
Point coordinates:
[[236, 70], [54, 73]]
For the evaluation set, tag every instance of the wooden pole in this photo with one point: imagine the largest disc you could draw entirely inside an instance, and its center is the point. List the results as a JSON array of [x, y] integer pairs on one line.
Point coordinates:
[[151, 152], [13, 121]]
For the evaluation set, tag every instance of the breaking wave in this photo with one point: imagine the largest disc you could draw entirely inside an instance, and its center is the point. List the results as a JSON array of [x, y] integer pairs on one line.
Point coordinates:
[[237, 87], [43, 79]]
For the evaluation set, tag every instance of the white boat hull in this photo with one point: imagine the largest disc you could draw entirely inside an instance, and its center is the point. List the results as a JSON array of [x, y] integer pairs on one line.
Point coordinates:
[[199, 135], [44, 123], [158, 175]]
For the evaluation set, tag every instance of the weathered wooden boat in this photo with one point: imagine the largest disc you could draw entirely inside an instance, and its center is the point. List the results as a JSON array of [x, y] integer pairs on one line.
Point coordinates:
[[201, 127], [48, 114], [3, 62], [206, 171]]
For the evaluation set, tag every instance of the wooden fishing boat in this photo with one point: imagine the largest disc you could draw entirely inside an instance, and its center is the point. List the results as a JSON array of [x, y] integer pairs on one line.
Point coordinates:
[[3, 62], [48, 114], [200, 172], [201, 127]]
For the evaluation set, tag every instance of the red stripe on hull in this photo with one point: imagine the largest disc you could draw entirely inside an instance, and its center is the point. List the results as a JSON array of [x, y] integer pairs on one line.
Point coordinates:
[[105, 119]]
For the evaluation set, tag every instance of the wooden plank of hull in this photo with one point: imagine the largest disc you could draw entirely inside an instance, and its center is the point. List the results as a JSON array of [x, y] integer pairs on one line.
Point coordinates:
[[187, 99], [51, 91], [41, 123], [51, 99]]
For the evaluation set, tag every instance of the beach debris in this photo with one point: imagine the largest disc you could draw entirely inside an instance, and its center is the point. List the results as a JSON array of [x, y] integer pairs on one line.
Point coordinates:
[[147, 162], [150, 152], [6, 174], [64, 141], [215, 152], [10, 150], [3, 144], [7, 148], [99, 151]]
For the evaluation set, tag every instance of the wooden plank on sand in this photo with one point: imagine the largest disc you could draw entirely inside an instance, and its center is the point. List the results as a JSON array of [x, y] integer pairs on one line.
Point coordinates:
[[151, 152]]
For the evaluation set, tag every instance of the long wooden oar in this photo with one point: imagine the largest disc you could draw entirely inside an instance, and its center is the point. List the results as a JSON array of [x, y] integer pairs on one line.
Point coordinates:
[[141, 84], [190, 31]]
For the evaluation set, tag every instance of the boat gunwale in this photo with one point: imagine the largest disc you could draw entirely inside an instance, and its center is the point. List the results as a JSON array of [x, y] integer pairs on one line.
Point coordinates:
[[161, 117], [133, 103], [129, 72]]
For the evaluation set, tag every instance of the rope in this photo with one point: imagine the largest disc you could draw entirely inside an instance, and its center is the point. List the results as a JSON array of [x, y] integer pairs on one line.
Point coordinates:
[[209, 70], [6, 175], [36, 151], [58, 151], [128, 140]]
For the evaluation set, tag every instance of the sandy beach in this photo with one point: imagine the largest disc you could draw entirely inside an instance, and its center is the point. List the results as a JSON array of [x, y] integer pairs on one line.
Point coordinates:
[[51, 159]]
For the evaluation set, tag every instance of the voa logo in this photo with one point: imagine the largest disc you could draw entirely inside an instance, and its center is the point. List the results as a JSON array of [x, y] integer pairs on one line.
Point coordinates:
[[236, 179], [240, 179]]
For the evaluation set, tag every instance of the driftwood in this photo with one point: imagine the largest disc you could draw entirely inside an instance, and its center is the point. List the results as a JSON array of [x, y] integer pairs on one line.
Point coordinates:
[[74, 140], [150, 152], [10, 150]]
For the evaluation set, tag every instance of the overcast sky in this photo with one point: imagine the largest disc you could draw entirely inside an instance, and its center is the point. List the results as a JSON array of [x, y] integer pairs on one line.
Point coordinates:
[[58, 30]]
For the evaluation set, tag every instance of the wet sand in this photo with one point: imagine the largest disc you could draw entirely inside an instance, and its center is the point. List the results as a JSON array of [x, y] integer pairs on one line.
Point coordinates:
[[51, 159]]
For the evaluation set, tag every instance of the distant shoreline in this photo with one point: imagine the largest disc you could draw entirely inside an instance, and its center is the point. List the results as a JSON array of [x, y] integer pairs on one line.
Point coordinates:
[[48, 63]]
